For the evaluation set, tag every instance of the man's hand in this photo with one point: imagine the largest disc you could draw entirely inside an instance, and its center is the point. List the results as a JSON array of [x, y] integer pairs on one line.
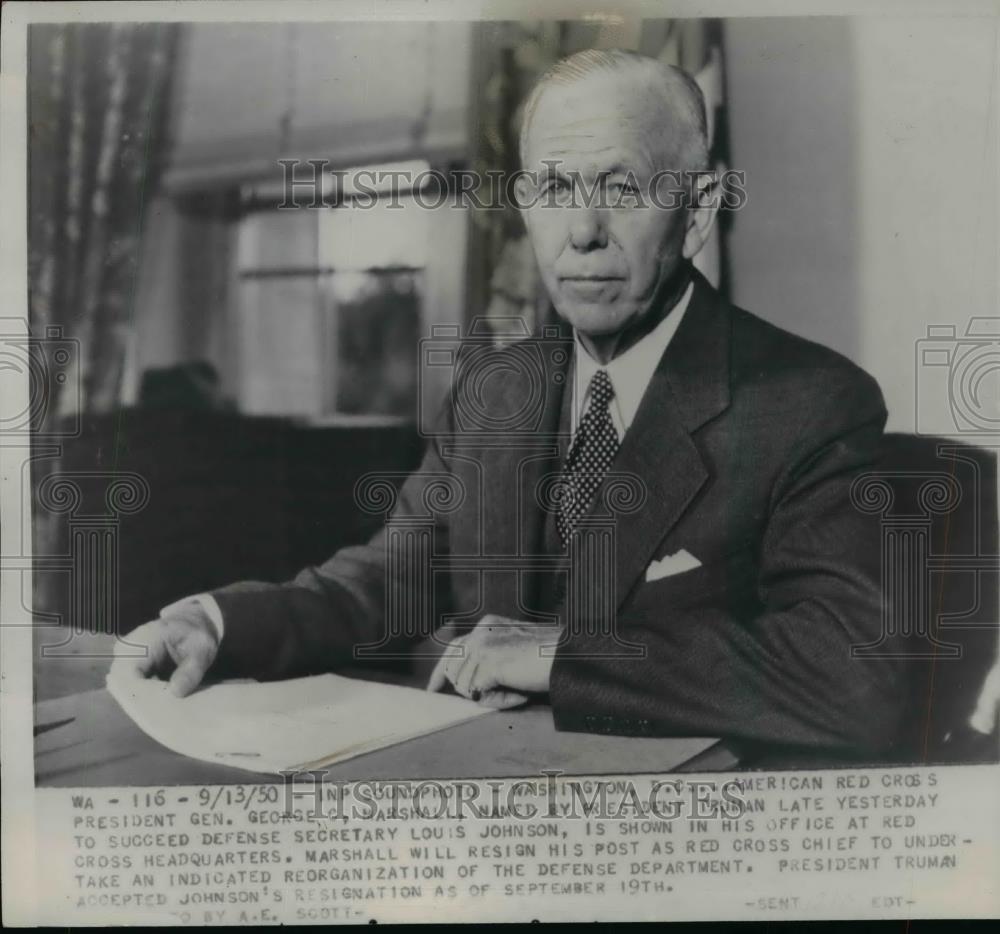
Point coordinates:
[[499, 663], [182, 644]]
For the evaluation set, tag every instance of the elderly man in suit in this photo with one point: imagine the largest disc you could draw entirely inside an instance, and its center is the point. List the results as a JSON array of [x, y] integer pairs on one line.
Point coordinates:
[[739, 587]]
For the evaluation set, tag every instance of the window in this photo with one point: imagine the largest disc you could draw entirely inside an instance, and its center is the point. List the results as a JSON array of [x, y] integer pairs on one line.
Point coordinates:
[[331, 307]]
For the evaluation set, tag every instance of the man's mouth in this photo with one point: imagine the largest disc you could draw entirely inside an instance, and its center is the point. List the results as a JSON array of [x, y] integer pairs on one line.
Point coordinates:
[[591, 288], [591, 278]]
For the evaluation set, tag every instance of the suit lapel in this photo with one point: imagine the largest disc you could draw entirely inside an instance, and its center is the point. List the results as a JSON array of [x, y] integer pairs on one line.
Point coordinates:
[[689, 386], [512, 464], [542, 457]]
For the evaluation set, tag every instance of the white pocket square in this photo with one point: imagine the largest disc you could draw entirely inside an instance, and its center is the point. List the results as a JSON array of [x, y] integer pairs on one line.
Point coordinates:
[[669, 565]]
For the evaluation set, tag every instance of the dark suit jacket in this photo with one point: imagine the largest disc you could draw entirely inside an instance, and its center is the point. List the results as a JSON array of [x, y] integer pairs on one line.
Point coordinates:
[[747, 442]]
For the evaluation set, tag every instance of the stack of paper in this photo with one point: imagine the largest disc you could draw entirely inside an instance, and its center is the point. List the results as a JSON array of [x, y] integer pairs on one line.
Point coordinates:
[[270, 727]]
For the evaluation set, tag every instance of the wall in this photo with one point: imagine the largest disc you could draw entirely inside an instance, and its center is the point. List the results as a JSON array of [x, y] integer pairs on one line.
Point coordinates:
[[182, 294], [353, 93], [870, 146]]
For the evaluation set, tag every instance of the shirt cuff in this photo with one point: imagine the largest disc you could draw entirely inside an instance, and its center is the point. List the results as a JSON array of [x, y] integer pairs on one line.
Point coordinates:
[[208, 603], [984, 718]]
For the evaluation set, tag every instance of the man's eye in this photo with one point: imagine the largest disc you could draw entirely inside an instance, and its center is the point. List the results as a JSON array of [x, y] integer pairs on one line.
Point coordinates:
[[556, 185]]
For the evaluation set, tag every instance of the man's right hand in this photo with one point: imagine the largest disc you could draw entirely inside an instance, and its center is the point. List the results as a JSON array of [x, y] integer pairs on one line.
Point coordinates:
[[183, 644]]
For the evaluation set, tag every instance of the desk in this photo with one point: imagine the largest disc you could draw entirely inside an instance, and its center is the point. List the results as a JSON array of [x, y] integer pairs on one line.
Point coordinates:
[[101, 746]]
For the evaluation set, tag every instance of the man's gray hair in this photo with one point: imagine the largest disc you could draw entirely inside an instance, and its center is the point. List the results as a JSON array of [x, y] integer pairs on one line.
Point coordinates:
[[681, 94]]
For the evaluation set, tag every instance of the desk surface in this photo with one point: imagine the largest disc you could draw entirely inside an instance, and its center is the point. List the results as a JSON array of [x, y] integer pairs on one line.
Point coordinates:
[[101, 746]]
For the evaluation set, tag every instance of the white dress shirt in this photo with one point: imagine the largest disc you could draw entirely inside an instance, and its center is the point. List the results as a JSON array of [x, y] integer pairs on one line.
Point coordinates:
[[207, 602], [629, 373]]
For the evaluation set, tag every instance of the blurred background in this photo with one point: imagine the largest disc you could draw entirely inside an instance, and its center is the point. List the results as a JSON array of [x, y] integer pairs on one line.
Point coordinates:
[[869, 146], [250, 363]]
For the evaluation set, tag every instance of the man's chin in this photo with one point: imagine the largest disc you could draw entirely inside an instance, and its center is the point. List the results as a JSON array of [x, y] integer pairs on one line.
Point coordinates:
[[592, 319]]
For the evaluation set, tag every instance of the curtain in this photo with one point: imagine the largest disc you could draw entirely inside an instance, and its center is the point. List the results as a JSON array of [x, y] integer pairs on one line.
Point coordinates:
[[503, 278], [98, 108], [98, 98]]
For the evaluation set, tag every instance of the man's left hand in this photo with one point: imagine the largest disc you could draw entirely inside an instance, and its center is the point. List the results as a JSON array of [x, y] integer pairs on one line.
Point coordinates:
[[499, 663]]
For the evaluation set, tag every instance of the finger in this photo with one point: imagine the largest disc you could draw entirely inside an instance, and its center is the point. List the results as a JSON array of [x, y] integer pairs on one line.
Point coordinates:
[[448, 664], [437, 679], [140, 664], [501, 699], [465, 682], [439, 676], [188, 675], [453, 666]]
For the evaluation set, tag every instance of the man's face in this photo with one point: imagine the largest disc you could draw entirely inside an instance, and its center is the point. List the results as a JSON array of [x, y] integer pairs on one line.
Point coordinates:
[[602, 265]]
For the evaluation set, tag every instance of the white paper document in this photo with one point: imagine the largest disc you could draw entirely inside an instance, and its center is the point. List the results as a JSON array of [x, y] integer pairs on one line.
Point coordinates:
[[305, 722]]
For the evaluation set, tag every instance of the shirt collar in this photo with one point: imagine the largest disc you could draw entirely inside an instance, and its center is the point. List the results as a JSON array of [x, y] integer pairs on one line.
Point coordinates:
[[629, 372]]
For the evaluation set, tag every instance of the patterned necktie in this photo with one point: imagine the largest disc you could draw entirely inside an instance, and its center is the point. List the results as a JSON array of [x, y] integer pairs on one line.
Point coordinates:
[[590, 456]]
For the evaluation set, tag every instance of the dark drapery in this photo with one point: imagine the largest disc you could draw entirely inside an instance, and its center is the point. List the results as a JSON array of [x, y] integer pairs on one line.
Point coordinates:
[[98, 102], [97, 119]]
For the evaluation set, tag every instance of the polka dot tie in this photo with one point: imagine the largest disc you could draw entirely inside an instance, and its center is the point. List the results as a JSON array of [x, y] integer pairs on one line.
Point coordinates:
[[590, 456]]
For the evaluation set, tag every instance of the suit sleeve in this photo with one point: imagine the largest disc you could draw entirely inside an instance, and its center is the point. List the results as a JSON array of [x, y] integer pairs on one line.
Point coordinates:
[[316, 622], [786, 674]]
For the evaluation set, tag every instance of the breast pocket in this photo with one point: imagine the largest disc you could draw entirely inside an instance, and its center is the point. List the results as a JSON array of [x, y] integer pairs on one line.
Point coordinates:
[[721, 578]]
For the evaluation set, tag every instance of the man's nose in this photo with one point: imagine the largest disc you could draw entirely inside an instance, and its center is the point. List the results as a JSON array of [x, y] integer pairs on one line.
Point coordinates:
[[587, 230]]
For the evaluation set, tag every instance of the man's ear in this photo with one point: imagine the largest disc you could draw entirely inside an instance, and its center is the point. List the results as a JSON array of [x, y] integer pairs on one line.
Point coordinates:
[[704, 205]]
